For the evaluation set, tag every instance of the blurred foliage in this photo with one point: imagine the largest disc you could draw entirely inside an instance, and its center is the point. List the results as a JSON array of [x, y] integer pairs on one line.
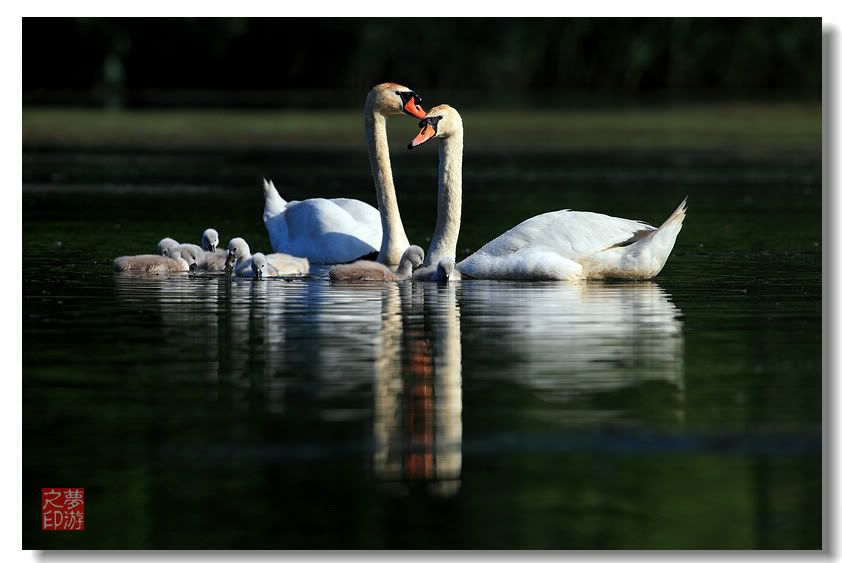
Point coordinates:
[[143, 61], [743, 128]]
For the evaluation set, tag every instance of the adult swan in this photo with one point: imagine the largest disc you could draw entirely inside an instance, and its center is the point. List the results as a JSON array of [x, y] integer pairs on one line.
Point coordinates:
[[560, 245], [334, 231]]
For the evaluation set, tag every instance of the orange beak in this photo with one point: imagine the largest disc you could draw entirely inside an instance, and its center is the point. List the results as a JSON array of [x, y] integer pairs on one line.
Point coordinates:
[[414, 109], [423, 136]]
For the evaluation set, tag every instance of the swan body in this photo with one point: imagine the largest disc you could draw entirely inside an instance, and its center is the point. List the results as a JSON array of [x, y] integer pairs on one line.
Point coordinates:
[[240, 256], [334, 231], [325, 231], [559, 245], [577, 245], [152, 263], [366, 270]]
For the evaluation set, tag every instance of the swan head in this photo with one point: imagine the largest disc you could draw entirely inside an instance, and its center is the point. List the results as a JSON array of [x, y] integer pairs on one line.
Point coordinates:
[[394, 99], [237, 248], [258, 265], [189, 254], [442, 121], [210, 240], [165, 245]]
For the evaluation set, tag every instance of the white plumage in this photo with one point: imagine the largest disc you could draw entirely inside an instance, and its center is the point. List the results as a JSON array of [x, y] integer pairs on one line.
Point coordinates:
[[560, 245], [325, 231], [334, 231], [576, 245]]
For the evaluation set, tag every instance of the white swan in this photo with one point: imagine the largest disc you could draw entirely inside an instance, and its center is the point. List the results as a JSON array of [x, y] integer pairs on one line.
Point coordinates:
[[334, 231], [239, 255], [560, 245], [155, 263], [366, 270]]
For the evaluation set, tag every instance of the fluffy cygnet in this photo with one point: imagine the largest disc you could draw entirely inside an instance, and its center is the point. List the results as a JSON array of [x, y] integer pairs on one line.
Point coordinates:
[[191, 253], [153, 263], [210, 240], [239, 255], [213, 261], [261, 268], [443, 271], [366, 270]]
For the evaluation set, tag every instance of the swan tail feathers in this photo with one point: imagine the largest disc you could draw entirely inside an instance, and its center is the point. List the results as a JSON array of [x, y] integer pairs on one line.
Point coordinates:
[[650, 254], [273, 202], [674, 221]]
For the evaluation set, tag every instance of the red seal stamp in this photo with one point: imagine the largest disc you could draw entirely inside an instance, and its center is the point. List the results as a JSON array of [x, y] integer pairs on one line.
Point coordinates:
[[63, 509]]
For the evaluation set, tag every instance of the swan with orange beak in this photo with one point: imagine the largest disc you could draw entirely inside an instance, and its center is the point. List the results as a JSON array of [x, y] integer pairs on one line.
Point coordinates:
[[340, 230], [558, 245]]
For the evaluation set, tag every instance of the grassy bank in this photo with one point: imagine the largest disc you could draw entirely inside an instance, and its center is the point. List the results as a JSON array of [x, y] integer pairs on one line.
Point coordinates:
[[747, 128]]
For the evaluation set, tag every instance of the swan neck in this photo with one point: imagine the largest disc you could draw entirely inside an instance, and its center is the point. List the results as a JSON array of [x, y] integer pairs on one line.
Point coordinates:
[[394, 238], [449, 214]]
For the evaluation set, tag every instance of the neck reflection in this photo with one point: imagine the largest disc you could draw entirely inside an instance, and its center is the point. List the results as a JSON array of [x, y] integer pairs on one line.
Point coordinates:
[[418, 388]]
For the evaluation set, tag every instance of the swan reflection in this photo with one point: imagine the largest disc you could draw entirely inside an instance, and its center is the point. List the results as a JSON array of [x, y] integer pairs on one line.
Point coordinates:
[[418, 388], [386, 361], [568, 341]]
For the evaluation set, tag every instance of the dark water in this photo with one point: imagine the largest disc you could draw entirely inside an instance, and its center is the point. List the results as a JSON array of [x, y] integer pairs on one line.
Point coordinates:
[[201, 412]]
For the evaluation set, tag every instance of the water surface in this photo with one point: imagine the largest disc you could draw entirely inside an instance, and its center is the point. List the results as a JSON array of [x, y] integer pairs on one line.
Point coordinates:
[[204, 412]]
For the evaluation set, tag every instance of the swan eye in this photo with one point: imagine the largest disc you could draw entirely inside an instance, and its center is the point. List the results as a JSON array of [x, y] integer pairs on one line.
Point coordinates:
[[411, 104]]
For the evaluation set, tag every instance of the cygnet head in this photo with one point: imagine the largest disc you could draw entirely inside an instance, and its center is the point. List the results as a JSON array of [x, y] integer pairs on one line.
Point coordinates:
[[165, 245], [441, 122], [258, 265], [445, 268], [190, 254], [393, 99], [412, 258], [237, 248], [415, 255], [210, 240]]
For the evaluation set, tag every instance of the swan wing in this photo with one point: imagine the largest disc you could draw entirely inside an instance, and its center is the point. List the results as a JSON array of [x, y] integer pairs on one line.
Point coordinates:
[[571, 234], [359, 210], [366, 216], [327, 232]]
